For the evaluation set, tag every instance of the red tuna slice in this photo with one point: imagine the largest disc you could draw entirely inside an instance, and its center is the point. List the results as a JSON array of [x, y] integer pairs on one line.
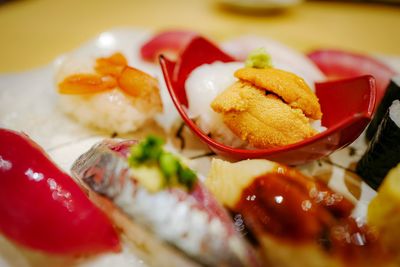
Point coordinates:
[[166, 42], [336, 64], [42, 208]]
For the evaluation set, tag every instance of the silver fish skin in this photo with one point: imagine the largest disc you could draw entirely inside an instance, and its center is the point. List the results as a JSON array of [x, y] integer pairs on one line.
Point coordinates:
[[192, 222]]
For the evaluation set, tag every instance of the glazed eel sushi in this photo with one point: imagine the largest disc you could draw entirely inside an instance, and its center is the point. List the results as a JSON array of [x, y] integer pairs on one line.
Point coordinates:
[[298, 221], [163, 197]]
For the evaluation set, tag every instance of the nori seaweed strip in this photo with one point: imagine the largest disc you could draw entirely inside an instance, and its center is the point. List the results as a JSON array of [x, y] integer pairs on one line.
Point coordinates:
[[392, 93], [383, 152]]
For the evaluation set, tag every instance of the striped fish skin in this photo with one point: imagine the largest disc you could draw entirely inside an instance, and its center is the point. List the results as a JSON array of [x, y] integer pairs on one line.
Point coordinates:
[[192, 221]]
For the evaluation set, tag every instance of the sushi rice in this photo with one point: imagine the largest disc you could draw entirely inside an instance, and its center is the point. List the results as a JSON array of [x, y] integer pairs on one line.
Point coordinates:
[[202, 86]]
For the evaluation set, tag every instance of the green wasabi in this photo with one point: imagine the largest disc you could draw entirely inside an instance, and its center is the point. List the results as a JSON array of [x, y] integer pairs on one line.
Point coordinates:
[[149, 159], [168, 164], [146, 151], [259, 59]]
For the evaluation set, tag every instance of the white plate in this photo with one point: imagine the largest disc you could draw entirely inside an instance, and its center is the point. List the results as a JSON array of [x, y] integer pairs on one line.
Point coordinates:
[[28, 103]]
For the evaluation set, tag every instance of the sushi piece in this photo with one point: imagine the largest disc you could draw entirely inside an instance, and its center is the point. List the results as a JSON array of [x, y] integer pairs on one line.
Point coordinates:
[[383, 211], [392, 93], [43, 209], [263, 112], [383, 152], [296, 220], [163, 196], [109, 94], [253, 107]]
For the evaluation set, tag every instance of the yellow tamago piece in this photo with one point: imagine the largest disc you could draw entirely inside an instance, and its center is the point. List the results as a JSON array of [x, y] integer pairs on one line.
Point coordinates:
[[384, 211], [227, 180]]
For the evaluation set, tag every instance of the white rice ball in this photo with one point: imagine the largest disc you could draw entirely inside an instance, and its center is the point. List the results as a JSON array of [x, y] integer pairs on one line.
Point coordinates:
[[202, 87]]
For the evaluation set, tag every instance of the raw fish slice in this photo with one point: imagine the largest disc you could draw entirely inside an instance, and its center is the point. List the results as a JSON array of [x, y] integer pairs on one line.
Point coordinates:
[[191, 221], [42, 208], [166, 42], [337, 64]]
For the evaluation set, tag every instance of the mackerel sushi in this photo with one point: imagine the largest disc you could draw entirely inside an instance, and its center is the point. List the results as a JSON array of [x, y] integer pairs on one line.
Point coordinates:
[[161, 195]]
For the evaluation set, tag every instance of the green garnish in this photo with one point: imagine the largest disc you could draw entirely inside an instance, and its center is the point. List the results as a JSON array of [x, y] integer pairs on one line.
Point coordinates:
[[150, 153], [258, 58], [169, 165], [147, 150], [186, 176]]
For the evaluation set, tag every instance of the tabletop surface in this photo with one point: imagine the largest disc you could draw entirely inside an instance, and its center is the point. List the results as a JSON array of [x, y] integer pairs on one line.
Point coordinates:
[[34, 32]]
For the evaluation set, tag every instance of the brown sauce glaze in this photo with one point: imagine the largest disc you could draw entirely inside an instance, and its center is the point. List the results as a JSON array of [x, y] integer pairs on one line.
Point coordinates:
[[296, 209]]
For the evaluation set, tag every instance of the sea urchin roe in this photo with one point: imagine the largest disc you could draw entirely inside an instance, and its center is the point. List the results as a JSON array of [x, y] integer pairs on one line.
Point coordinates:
[[292, 89], [268, 107], [290, 208], [264, 121]]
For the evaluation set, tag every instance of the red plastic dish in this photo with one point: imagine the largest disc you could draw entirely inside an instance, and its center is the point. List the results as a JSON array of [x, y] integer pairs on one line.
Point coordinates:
[[347, 106]]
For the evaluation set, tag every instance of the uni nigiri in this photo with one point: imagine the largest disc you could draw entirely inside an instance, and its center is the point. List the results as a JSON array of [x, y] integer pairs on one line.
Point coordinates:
[[256, 106]]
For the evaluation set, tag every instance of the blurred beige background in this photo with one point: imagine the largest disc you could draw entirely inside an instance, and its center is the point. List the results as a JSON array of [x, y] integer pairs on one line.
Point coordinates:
[[34, 32]]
